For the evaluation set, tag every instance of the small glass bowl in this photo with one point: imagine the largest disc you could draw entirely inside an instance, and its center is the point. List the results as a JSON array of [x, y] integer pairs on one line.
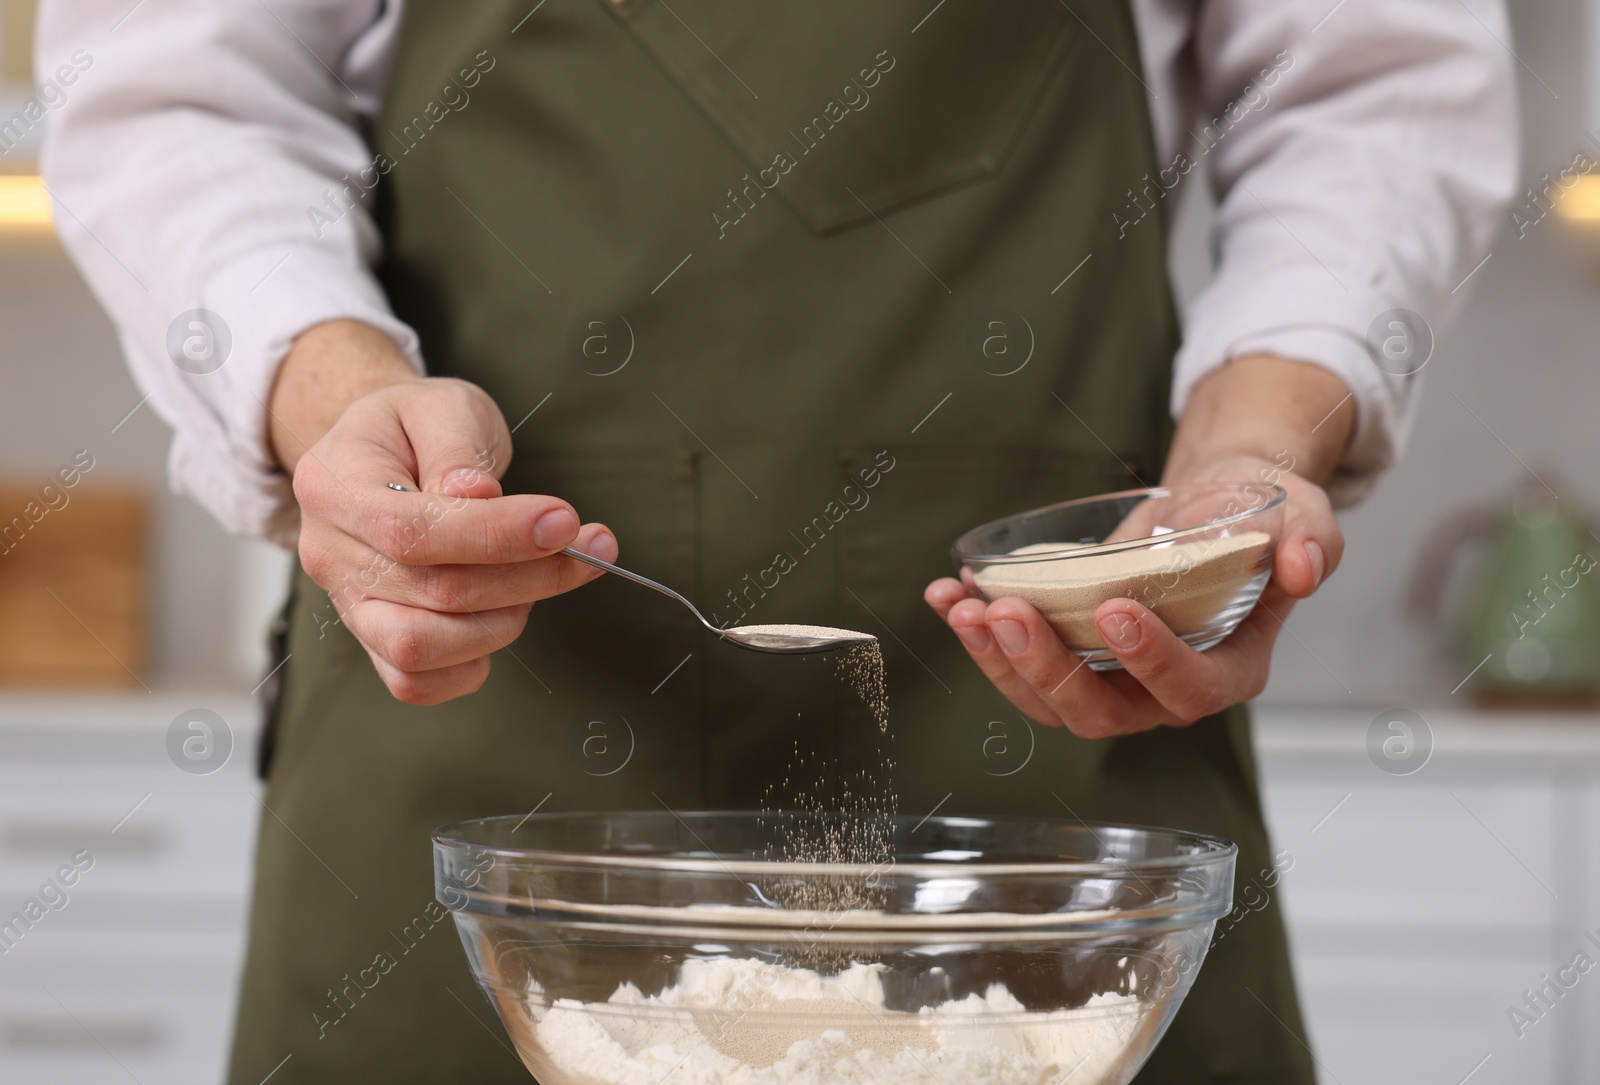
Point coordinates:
[[623, 948], [1198, 556]]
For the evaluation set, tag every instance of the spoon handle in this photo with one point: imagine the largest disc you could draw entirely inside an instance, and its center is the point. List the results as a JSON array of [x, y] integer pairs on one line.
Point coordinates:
[[637, 579]]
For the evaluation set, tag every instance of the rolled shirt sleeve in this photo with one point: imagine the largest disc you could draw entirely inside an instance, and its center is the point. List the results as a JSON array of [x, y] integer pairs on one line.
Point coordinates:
[[211, 183], [1362, 154]]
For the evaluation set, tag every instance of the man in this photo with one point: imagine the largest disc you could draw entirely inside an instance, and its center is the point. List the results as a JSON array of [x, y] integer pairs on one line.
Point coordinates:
[[785, 300]]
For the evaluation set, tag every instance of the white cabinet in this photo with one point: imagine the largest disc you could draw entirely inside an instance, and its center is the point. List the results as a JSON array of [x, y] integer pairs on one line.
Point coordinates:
[[1422, 908], [137, 960]]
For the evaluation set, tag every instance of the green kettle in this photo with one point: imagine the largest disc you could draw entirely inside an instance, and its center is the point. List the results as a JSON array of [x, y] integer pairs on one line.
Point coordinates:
[[1527, 625]]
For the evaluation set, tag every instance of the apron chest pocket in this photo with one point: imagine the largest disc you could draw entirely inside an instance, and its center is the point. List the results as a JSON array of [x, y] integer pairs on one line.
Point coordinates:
[[847, 109]]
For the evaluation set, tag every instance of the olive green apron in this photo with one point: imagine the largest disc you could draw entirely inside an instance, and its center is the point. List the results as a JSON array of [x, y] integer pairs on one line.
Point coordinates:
[[788, 299]]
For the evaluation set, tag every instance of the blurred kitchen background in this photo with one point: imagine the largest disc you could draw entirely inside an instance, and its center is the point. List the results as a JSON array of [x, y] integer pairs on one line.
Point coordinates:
[[1444, 848]]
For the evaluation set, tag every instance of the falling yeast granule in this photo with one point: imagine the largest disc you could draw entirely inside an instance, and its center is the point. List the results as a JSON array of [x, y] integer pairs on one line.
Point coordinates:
[[861, 667], [836, 818], [831, 819]]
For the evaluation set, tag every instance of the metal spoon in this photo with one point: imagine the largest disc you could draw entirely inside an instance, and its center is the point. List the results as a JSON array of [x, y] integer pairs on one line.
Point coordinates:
[[755, 638]]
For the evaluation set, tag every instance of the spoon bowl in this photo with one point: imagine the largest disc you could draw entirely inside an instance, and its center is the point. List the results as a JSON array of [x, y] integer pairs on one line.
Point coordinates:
[[794, 639]]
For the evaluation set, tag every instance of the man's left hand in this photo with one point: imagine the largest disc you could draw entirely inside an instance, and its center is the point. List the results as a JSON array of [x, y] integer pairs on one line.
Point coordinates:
[[1164, 682]]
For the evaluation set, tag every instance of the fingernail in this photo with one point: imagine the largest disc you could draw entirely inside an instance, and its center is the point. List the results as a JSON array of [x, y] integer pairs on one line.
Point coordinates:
[[1314, 552], [461, 476], [554, 529], [1120, 631], [1013, 636], [974, 637], [602, 546]]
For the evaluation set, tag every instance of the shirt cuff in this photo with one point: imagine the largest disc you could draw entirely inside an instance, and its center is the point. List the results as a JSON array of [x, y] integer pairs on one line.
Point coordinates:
[[225, 462], [1303, 314]]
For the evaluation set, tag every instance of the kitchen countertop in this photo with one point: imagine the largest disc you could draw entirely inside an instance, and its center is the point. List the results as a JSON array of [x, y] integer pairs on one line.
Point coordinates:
[[1282, 728], [115, 727], [1502, 737]]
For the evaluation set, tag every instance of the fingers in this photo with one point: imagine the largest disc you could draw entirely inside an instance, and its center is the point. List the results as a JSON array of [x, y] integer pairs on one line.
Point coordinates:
[[943, 594], [432, 528], [1188, 685], [421, 529], [1025, 660], [1311, 544], [352, 572], [433, 687], [458, 436], [445, 438], [967, 618], [410, 639], [1253, 640], [1089, 704], [439, 650], [1164, 681]]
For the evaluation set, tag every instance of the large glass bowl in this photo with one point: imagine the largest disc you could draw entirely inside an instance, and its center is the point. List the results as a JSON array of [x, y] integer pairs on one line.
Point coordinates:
[[1198, 556], [637, 948]]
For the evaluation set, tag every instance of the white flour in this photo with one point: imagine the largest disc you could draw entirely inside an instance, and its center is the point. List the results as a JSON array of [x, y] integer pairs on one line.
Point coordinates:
[[742, 1022]]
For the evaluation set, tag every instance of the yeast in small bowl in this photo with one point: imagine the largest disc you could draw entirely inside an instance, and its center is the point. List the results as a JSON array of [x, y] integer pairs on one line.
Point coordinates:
[[1198, 556]]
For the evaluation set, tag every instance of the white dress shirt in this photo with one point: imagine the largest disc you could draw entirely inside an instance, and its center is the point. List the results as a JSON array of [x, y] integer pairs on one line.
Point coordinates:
[[1361, 152]]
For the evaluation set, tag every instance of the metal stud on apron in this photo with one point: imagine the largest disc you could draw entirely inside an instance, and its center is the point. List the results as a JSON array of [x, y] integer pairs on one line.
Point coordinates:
[[783, 298]]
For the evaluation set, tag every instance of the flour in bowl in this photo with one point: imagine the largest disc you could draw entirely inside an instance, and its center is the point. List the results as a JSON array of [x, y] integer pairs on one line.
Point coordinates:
[[744, 1022]]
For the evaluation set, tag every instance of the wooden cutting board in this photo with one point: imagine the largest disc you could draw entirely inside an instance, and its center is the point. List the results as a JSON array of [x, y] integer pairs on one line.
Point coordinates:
[[73, 587]]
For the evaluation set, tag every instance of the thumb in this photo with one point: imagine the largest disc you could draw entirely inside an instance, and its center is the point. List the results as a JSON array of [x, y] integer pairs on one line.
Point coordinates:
[[459, 438], [1311, 545]]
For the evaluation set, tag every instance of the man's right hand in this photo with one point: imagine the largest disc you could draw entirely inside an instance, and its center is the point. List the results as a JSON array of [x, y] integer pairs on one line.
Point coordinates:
[[431, 583]]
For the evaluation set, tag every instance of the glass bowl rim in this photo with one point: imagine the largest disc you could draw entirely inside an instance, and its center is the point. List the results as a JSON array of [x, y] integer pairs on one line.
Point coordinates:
[[1211, 850], [1279, 495]]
